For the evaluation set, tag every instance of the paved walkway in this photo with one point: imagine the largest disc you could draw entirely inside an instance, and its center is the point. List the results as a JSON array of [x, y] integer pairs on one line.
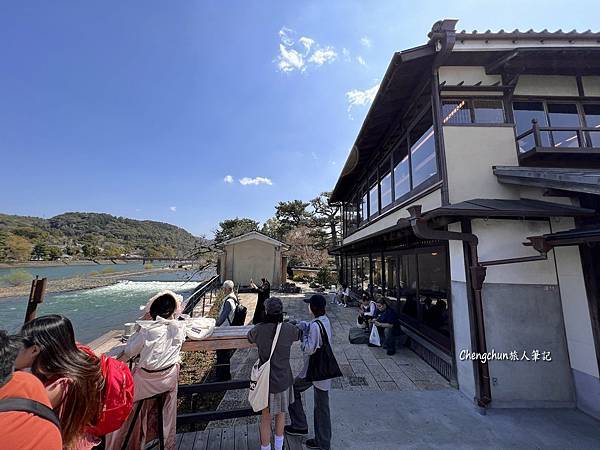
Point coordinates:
[[395, 402]]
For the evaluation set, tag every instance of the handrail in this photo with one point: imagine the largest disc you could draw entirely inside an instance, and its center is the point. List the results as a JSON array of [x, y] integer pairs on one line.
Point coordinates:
[[580, 133], [199, 293]]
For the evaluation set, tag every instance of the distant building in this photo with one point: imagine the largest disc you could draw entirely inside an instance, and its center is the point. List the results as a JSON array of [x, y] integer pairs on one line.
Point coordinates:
[[475, 144], [253, 256]]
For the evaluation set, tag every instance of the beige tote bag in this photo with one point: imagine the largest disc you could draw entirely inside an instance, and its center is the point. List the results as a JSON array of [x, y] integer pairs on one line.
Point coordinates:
[[258, 396]]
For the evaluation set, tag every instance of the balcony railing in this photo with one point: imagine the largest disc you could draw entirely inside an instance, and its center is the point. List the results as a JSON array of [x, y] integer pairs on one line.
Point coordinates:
[[546, 143]]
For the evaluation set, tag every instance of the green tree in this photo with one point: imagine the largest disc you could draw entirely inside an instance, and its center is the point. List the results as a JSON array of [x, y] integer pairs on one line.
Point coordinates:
[[54, 253], [17, 248], [40, 251], [292, 214], [327, 217], [90, 251], [231, 228], [273, 228]]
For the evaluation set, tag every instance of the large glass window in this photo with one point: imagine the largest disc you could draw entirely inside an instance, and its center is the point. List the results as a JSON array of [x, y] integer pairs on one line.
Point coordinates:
[[401, 175], [391, 272], [407, 279], [564, 115], [364, 207], [365, 271], [433, 295], [377, 274], [592, 120], [385, 184], [524, 113], [423, 160], [469, 111], [356, 273], [374, 200]]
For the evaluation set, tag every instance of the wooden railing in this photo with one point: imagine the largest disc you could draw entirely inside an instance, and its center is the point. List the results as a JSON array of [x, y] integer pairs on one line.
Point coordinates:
[[558, 138]]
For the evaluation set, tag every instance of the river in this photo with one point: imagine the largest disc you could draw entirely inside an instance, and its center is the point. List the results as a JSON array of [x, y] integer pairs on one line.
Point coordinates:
[[96, 311], [68, 270]]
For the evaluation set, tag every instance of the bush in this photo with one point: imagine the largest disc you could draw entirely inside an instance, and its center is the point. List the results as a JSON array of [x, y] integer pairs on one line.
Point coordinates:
[[148, 266], [326, 277], [16, 278]]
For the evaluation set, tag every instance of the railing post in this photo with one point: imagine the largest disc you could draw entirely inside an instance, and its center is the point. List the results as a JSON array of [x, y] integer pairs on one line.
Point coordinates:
[[536, 133]]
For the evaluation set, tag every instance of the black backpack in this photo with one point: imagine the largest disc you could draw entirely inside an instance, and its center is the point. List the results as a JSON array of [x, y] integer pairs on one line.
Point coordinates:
[[322, 364], [239, 317], [15, 404]]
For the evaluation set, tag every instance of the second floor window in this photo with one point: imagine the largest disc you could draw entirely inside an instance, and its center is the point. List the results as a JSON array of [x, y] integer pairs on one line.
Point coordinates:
[[373, 200], [401, 175], [423, 160], [470, 111], [592, 120], [386, 184]]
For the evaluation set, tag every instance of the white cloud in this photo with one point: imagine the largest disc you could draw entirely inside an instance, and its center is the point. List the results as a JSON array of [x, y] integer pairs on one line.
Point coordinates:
[[357, 97], [228, 179], [302, 53], [323, 55], [366, 42], [361, 61], [307, 43], [346, 54], [173, 208], [255, 181], [289, 59]]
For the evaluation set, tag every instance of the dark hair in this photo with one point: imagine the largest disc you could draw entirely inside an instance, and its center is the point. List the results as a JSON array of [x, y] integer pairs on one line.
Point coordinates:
[[9, 349], [273, 318], [317, 310], [164, 306], [60, 357]]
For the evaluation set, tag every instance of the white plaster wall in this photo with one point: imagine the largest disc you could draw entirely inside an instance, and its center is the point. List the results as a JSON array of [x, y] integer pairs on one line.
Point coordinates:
[[591, 86], [252, 259], [502, 239], [470, 154], [578, 326], [429, 202], [465, 373], [471, 75], [547, 85]]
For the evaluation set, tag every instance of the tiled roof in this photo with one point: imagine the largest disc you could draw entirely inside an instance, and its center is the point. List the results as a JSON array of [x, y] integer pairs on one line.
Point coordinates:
[[530, 34]]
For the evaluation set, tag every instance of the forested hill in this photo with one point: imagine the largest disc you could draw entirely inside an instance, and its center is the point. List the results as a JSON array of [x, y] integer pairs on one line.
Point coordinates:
[[90, 235]]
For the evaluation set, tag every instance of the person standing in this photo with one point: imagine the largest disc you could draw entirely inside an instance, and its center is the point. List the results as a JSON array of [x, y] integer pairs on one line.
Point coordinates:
[[226, 316], [264, 292], [280, 377], [311, 341]]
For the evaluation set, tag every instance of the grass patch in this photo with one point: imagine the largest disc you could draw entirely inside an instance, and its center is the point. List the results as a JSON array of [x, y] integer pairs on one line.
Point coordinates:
[[148, 266], [108, 270], [16, 278]]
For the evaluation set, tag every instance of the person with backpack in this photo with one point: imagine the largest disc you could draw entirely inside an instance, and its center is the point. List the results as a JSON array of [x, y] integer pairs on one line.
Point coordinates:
[[157, 343], [27, 420], [232, 313], [317, 373], [280, 372], [72, 377]]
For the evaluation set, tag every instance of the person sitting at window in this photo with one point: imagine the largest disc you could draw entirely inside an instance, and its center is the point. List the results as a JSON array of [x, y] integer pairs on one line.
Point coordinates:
[[387, 324], [72, 377], [21, 429]]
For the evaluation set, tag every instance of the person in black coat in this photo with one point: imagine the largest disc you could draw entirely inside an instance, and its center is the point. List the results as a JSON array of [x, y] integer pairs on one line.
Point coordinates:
[[264, 292]]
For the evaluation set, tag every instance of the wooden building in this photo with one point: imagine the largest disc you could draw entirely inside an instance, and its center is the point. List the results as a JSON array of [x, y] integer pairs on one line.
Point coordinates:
[[471, 200], [253, 256]]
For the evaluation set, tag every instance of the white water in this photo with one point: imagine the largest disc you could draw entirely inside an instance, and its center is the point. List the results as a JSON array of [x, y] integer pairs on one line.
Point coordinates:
[[94, 311]]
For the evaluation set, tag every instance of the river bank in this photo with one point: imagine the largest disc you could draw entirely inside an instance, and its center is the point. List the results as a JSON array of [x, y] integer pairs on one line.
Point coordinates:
[[79, 283], [71, 262]]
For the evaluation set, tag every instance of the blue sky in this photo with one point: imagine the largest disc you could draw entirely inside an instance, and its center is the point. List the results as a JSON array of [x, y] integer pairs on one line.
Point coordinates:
[[190, 112]]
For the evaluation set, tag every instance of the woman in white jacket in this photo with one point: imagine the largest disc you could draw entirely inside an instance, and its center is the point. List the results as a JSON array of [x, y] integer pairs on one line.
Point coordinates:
[[158, 343]]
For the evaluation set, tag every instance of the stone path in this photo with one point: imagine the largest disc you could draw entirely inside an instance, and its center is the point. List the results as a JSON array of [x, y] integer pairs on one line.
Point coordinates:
[[364, 368]]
